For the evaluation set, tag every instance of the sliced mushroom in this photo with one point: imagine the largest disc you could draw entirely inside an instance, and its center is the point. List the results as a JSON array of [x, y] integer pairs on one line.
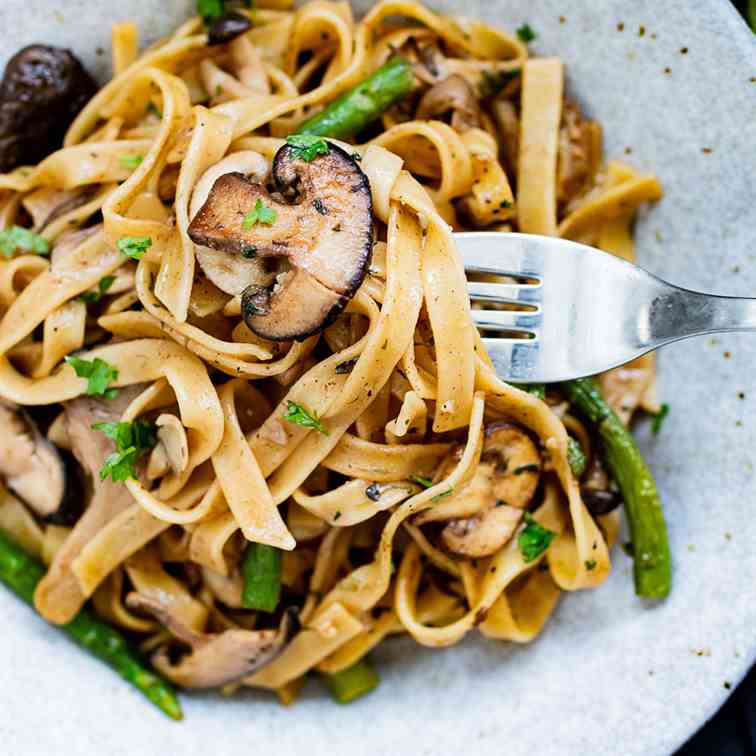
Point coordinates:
[[216, 659], [46, 203], [226, 589], [600, 493], [34, 469], [483, 534], [516, 463], [172, 436], [484, 513], [229, 271], [452, 95], [579, 153], [324, 237], [508, 473]]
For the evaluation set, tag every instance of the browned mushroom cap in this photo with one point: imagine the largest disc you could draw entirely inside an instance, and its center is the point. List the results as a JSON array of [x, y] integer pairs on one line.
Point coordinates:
[[483, 514], [454, 95], [516, 463], [34, 468], [216, 659], [324, 236], [483, 534]]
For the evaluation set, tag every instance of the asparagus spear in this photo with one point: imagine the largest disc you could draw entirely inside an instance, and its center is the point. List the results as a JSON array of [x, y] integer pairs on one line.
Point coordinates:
[[652, 567], [262, 577], [352, 682], [21, 573], [537, 389], [358, 107]]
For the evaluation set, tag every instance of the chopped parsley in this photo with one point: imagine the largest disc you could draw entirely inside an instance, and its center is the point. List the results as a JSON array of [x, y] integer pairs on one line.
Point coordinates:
[[210, 10], [421, 480], [131, 161], [492, 83], [259, 214], [576, 457], [153, 109], [656, 423], [249, 251], [442, 495], [95, 296], [99, 374], [132, 440], [307, 147], [590, 564], [134, 247], [297, 414], [526, 34], [319, 206], [534, 539], [16, 239]]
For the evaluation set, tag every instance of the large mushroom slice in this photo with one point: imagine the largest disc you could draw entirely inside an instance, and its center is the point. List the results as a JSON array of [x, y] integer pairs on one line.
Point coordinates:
[[34, 468], [322, 238], [490, 506], [216, 659]]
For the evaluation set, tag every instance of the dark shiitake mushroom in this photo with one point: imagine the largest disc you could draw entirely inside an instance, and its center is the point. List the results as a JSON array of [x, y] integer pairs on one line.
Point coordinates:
[[42, 90], [35, 469], [323, 237]]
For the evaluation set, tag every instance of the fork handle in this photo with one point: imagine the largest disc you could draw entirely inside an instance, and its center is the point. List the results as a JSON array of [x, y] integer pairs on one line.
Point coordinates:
[[676, 313]]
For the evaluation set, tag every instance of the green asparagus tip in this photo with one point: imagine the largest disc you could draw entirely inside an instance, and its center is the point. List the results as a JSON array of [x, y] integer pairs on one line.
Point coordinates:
[[352, 682]]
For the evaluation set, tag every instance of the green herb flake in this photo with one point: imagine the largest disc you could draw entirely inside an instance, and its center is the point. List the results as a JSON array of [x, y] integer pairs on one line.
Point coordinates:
[[442, 495], [95, 296], [131, 161], [576, 457], [297, 414], [132, 440], [99, 375], [249, 252], [526, 34], [153, 109], [18, 239], [421, 480], [656, 423], [259, 214], [307, 147], [134, 247], [211, 10], [534, 539], [590, 564], [492, 83]]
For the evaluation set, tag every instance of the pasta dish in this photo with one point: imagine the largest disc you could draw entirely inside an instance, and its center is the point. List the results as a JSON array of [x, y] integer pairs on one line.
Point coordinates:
[[248, 429]]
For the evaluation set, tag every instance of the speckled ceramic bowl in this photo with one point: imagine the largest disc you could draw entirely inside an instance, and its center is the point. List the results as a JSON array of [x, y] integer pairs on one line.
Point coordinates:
[[674, 85]]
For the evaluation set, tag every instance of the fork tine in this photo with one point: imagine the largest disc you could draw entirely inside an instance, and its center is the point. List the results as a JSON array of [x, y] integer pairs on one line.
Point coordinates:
[[502, 293], [507, 320]]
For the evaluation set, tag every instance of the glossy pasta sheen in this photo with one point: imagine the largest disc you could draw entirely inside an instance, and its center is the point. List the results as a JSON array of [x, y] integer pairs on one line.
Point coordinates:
[[418, 393]]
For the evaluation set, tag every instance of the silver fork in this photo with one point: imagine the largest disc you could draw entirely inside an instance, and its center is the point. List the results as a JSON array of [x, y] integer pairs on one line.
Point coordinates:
[[571, 310]]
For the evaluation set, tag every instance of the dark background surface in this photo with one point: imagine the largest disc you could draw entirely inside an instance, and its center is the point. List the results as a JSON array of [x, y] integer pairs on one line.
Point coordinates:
[[732, 732]]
